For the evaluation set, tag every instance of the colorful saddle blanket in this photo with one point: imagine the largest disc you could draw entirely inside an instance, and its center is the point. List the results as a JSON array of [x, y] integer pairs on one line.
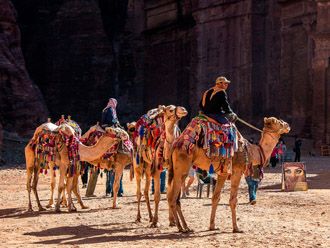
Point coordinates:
[[148, 134], [125, 146], [48, 143], [216, 139]]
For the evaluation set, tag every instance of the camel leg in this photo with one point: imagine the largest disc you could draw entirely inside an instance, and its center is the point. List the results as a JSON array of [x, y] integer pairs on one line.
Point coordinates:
[[118, 173], [235, 181], [138, 174], [75, 190], [34, 187], [29, 173], [52, 187], [156, 197], [146, 189], [216, 198], [69, 187], [29, 160], [61, 186], [173, 193], [64, 202]]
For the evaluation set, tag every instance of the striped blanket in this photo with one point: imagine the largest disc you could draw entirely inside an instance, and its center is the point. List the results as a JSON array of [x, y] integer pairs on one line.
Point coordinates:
[[216, 139]]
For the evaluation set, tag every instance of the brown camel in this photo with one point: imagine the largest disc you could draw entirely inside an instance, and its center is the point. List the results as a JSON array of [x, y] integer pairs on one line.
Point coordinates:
[[94, 129], [181, 162], [117, 162], [153, 157], [89, 153]]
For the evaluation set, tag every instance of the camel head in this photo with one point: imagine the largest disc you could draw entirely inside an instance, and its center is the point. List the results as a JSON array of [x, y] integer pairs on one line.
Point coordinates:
[[275, 125], [153, 113], [131, 127], [174, 113], [66, 129]]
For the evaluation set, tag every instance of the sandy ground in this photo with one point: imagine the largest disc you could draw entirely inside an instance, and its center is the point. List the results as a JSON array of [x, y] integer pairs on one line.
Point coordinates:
[[279, 219]]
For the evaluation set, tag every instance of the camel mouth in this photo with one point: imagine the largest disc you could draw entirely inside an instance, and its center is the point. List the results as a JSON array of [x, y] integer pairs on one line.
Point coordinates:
[[181, 112]]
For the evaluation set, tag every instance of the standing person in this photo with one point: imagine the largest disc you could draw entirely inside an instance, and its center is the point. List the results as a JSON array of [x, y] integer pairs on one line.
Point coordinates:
[[191, 178], [282, 151], [296, 149], [109, 184], [253, 176], [274, 157], [162, 183], [84, 176], [214, 102], [109, 119]]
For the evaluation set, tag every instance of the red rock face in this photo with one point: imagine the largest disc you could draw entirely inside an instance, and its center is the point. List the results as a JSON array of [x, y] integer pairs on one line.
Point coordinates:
[[147, 52], [275, 52], [21, 104]]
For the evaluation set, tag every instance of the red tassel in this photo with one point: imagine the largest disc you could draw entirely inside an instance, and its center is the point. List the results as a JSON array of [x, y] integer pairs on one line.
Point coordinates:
[[46, 172], [41, 170]]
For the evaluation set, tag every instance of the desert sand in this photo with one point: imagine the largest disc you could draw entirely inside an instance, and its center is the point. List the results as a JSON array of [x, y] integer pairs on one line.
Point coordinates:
[[279, 219]]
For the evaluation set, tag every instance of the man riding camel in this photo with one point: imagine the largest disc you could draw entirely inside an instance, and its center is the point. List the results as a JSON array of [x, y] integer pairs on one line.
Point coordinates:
[[214, 103], [109, 114]]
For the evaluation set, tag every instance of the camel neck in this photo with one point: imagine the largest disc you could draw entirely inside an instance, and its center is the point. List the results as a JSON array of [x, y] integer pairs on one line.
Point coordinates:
[[268, 142], [169, 129], [91, 153]]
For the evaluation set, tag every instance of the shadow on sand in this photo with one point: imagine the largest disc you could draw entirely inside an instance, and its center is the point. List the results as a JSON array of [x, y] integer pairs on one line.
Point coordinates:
[[92, 235]]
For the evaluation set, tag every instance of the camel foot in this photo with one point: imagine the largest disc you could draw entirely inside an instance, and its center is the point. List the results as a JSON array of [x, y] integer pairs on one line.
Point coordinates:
[[116, 207], [187, 230], [172, 223], [30, 210], [41, 208], [212, 228], [49, 205], [84, 207], [138, 221], [237, 231], [154, 225], [57, 210], [72, 209]]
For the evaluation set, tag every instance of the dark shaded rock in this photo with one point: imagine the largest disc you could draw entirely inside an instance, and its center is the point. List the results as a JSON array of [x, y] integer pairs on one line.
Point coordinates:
[[21, 104]]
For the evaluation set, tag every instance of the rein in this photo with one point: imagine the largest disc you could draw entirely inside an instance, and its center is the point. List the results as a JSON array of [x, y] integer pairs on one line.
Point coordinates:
[[249, 125]]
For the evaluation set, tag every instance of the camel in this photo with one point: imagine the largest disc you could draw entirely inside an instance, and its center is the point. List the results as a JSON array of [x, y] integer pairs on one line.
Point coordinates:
[[153, 157], [181, 162], [87, 153], [117, 162]]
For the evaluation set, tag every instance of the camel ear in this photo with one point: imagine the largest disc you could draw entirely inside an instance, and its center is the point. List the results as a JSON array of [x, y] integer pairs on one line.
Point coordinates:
[[265, 120], [161, 107]]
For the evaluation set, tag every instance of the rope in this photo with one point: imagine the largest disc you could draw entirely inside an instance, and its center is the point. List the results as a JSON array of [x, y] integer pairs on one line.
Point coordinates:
[[249, 125]]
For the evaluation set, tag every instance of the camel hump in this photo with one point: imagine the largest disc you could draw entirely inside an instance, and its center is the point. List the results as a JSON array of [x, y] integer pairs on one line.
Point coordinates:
[[49, 127]]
